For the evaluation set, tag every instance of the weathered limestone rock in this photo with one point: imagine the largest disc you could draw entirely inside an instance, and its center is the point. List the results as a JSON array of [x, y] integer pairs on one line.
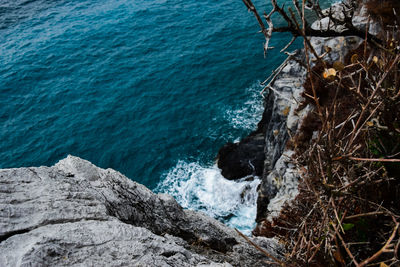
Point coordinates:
[[280, 104], [361, 21], [338, 46], [280, 177], [337, 11], [263, 152], [75, 213]]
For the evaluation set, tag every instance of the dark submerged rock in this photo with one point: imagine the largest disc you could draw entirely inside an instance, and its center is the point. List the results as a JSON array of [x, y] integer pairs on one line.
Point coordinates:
[[237, 160], [265, 148]]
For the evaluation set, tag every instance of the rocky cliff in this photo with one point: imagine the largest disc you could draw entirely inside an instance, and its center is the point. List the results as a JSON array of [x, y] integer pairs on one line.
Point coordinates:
[[265, 152], [280, 120], [75, 213]]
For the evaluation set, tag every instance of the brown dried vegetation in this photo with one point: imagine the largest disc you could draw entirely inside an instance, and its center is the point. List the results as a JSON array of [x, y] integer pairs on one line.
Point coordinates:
[[348, 149], [348, 208], [382, 11]]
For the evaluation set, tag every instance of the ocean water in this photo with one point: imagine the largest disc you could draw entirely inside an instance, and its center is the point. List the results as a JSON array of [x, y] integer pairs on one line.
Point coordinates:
[[150, 88]]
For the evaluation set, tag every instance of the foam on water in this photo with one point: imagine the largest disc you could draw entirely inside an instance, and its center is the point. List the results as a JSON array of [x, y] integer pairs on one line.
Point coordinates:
[[203, 188], [135, 86], [249, 113]]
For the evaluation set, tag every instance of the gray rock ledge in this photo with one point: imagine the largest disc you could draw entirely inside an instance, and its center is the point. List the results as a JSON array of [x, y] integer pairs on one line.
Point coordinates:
[[75, 213]]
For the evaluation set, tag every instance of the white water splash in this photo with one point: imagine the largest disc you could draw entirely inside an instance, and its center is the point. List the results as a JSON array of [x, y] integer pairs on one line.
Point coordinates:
[[204, 188], [249, 114]]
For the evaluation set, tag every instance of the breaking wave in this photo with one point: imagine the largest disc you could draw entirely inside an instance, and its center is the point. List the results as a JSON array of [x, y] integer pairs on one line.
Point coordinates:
[[203, 188], [250, 112]]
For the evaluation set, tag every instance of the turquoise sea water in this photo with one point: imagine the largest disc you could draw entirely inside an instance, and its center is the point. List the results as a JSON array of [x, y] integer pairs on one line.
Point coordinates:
[[150, 88]]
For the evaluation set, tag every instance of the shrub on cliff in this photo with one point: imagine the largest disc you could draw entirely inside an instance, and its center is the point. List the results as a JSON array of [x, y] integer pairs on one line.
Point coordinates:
[[348, 210], [387, 12]]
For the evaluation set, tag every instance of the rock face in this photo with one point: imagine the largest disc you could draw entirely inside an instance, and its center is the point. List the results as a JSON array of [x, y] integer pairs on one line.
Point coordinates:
[[237, 160], [75, 213], [281, 119], [263, 152]]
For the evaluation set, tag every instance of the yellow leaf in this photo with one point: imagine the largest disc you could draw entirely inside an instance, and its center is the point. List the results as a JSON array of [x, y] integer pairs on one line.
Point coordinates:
[[329, 73], [375, 59], [370, 123], [383, 265], [286, 111]]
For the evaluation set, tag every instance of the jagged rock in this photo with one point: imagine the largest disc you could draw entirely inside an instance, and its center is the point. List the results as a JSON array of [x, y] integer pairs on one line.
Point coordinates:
[[237, 160], [337, 11], [338, 46], [282, 120], [75, 213], [280, 176], [361, 20], [257, 153]]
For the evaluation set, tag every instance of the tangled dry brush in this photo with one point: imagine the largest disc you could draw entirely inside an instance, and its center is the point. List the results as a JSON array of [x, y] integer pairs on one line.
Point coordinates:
[[348, 149]]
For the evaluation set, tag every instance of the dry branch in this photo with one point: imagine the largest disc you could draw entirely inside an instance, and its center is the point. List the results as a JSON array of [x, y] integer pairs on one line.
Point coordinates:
[[276, 260], [347, 147]]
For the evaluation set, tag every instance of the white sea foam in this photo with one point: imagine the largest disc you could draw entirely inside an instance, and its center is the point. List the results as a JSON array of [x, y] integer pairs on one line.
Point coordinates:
[[204, 188], [248, 114]]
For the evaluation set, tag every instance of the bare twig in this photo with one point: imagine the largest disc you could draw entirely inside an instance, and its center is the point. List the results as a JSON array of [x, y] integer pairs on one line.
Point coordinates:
[[383, 249], [345, 246], [378, 85], [374, 160], [266, 32], [277, 261], [374, 213]]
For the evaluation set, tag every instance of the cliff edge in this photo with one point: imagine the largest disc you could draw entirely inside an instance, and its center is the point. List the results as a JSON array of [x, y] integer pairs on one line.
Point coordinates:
[[75, 213]]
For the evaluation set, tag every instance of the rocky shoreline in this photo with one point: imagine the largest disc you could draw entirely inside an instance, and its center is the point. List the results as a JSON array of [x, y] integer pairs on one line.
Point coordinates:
[[280, 120], [75, 213]]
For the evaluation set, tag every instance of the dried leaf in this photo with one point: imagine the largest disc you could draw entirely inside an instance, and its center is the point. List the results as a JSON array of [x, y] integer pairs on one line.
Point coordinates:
[[329, 73], [338, 256], [286, 111], [327, 49], [383, 265], [337, 65], [381, 64], [354, 58]]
